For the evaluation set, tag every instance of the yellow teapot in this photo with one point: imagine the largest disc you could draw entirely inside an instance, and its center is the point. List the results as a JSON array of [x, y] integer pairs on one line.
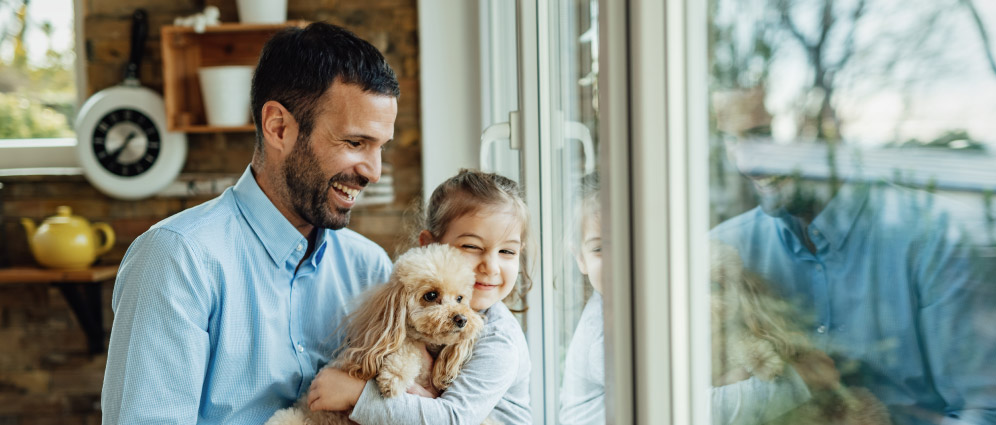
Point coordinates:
[[67, 241]]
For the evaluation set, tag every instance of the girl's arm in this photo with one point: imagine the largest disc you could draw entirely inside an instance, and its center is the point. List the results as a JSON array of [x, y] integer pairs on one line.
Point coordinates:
[[481, 383], [753, 401]]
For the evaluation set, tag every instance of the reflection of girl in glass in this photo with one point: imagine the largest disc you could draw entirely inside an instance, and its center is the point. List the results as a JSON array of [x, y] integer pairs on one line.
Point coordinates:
[[582, 395]]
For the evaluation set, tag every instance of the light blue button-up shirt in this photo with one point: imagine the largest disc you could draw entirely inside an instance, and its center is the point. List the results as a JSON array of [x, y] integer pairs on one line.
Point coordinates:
[[894, 292], [215, 323]]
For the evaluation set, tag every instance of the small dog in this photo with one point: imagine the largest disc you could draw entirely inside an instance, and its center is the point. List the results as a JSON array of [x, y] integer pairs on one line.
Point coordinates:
[[426, 303], [756, 331]]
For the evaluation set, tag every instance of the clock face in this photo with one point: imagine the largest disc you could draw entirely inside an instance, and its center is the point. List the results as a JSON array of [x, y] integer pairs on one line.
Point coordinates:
[[126, 142]]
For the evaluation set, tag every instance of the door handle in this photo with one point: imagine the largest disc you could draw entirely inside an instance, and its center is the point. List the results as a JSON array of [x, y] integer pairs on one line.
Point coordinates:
[[508, 130], [574, 130]]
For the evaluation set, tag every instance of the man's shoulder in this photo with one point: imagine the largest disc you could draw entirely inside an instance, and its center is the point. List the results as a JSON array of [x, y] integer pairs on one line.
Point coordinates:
[[193, 230], [192, 222], [744, 223]]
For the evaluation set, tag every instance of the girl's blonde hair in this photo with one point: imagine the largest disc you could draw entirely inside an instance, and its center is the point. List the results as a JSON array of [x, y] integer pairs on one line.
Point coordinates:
[[471, 191]]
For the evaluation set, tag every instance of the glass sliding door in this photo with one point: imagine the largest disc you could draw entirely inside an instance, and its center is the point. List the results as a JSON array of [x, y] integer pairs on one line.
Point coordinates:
[[811, 213], [830, 233], [573, 255], [540, 68], [851, 178]]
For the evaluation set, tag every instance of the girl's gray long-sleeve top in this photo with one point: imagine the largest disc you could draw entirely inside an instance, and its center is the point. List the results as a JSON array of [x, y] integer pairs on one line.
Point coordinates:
[[494, 382]]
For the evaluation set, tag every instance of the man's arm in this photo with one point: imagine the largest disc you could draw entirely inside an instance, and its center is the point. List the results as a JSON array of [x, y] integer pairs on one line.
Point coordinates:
[[957, 309], [159, 347]]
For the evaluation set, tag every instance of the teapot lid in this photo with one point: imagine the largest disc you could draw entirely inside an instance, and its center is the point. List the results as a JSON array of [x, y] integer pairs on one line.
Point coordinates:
[[63, 215]]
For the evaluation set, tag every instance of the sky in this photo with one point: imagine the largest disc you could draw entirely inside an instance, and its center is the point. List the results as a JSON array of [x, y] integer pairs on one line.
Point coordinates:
[[954, 86]]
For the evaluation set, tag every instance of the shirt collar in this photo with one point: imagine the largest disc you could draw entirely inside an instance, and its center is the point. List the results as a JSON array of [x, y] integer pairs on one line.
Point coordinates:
[[837, 220], [832, 225], [277, 235]]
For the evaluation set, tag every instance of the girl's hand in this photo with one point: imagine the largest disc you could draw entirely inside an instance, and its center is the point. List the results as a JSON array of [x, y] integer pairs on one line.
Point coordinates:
[[817, 369], [333, 389], [428, 392]]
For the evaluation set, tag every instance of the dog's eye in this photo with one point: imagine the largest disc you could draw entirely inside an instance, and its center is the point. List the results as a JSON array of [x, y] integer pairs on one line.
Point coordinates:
[[460, 298], [430, 296]]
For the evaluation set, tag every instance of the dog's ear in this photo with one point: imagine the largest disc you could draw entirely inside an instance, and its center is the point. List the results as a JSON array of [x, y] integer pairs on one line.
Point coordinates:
[[375, 330], [452, 357], [425, 238]]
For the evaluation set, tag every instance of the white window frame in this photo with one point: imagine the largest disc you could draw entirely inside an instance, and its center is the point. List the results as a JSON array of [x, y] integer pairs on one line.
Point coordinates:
[[654, 94], [55, 155]]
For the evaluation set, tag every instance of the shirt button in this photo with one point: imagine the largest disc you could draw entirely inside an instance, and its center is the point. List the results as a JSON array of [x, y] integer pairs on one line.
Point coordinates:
[[819, 267], [822, 329], [300, 348], [300, 247], [816, 232]]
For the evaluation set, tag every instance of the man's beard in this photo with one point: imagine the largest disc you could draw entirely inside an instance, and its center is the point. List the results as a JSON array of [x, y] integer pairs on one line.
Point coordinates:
[[797, 198], [308, 189]]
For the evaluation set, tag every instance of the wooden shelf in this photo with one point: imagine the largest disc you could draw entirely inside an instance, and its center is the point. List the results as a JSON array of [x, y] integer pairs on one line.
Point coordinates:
[[15, 275], [184, 51], [80, 288]]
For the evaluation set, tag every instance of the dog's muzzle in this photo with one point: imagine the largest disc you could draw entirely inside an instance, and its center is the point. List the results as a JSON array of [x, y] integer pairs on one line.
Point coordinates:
[[460, 320]]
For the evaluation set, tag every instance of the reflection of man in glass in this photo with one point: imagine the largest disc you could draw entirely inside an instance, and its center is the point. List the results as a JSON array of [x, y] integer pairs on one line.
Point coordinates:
[[896, 293], [582, 396]]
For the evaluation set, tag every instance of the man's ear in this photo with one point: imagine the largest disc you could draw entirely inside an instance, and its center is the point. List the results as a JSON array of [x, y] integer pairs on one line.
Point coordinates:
[[279, 129], [425, 238]]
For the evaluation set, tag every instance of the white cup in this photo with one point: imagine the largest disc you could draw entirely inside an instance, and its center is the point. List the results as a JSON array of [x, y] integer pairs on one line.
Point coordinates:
[[262, 11], [225, 90]]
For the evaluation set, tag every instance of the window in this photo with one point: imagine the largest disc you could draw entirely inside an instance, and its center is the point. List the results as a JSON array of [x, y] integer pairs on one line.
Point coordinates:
[[840, 155], [39, 83]]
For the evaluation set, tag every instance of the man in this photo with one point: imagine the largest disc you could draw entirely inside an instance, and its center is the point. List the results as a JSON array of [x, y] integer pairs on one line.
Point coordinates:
[[894, 289], [224, 312]]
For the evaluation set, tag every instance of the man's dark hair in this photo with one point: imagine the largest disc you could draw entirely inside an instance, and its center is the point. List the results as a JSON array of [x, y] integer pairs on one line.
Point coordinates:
[[298, 65]]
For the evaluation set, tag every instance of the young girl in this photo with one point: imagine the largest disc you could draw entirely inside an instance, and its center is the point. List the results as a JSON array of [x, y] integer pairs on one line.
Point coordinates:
[[484, 216]]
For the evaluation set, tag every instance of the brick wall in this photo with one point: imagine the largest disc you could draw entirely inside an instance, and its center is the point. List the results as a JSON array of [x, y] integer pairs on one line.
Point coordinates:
[[46, 375]]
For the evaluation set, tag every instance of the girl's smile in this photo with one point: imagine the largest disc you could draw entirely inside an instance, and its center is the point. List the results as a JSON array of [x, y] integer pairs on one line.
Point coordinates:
[[491, 240]]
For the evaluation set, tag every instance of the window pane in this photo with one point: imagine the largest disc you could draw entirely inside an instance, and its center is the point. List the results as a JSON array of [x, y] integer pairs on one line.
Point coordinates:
[[576, 233], [37, 69], [852, 178]]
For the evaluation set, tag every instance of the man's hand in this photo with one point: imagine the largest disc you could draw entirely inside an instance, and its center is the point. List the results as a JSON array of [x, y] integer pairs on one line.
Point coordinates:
[[817, 369], [333, 389]]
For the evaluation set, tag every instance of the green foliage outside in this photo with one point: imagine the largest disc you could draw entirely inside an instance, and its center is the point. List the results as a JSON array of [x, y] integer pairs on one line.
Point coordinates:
[[24, 118], [37, 97]]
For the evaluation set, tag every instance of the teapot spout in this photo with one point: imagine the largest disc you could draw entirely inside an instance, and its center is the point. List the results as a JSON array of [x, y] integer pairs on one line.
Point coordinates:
[[29, 229]]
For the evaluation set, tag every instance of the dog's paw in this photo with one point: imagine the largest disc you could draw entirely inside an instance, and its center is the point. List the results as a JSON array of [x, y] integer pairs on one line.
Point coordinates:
[[390, 385], [288, 416], [762, 360]]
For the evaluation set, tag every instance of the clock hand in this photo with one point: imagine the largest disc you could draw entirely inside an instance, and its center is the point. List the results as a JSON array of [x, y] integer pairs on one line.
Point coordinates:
[[124, 145]]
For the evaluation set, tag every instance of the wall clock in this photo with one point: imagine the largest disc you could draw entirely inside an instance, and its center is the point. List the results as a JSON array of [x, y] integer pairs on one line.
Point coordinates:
[[122, 142]]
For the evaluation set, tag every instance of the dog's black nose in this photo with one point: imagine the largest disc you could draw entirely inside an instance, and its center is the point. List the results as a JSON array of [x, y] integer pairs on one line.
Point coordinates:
[[460, 320]]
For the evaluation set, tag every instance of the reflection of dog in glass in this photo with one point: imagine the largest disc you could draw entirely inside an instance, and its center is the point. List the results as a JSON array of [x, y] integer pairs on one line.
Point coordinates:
[[425, 304], [755, 333]]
